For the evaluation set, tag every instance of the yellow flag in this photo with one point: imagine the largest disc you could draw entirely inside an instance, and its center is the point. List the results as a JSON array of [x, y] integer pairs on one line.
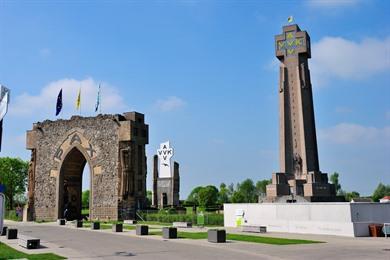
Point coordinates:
[[78, 100], [290, 19]]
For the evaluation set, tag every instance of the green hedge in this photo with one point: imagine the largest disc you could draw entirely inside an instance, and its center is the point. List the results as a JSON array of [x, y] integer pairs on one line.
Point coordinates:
[[210, 219]]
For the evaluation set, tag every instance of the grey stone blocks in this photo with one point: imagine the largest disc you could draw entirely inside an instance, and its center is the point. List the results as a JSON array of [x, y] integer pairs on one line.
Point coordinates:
[[169, 232], [216, 235], [142, 230], [117, 227]]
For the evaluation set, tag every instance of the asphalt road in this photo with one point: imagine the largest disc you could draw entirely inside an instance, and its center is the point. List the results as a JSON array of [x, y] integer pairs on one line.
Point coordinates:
[[86, 244]]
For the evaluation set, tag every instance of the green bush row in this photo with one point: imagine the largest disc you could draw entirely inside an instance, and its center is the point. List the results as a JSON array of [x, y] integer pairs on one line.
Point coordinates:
[[210, 219]]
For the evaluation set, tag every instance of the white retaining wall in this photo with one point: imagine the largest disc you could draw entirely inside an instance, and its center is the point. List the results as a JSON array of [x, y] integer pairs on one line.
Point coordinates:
[[343, 219]]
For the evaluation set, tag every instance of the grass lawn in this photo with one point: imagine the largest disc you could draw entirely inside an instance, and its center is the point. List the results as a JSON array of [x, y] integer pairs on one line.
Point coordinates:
[[269, 240], [244, 238], [154, 223], [109, 226], [7, 252]]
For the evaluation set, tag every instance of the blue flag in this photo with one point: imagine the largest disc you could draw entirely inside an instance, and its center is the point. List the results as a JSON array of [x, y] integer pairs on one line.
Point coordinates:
[[59, 103]]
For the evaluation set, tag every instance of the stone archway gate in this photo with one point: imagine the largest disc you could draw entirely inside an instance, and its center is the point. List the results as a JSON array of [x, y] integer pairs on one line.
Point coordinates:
[[113, 147]]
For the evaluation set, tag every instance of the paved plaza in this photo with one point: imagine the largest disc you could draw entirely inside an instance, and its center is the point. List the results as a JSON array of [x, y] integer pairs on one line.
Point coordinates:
[[103, 244]]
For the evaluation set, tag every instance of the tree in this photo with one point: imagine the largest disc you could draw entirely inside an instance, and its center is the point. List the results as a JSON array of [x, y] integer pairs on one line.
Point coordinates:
[[245, 192], [193, 198], [231, 188], [224, 194], [381, 191], [149, 198], [85, 199], [248, 190], [237, 197], [261, 186], [334, 178], [351, 195], [20, 199], [13, 175], [208, 196]]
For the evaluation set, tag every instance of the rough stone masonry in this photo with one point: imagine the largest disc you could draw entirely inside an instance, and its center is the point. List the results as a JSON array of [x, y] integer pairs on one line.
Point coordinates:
[[299, 167], [113, 147]]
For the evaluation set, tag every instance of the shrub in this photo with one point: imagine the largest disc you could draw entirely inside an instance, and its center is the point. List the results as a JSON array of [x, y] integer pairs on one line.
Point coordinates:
[[210, 218], [11, 215]]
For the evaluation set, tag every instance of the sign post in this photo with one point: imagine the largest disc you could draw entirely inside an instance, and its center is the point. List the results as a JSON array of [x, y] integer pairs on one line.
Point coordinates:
[[4, 101], [2, 211]]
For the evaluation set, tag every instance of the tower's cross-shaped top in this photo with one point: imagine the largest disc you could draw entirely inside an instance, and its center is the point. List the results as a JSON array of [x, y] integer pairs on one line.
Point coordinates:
[[292, 42]]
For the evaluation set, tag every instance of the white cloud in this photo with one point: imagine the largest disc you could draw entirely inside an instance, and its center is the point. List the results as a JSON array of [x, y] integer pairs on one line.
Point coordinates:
[[347, 133], [336, 57], [43, 105], [332, 3], [170, 104]]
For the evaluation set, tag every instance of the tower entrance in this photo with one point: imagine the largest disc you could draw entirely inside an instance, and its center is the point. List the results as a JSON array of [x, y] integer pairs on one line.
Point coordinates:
[[70, 185]]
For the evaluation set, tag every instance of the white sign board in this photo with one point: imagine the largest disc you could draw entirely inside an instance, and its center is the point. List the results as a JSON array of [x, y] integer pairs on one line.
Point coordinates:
[[164, 154], [2, 209]]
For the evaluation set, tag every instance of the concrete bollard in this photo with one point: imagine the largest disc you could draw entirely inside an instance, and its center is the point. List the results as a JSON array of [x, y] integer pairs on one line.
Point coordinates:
[[169, 232], [78, 224], [12, 233], [117, 227], [95, 225], [142, 230], [4, 231], [216, 235]]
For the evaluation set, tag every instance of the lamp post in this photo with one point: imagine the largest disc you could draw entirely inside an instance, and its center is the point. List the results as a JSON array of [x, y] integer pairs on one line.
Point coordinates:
[[2, 208], [4, 101]]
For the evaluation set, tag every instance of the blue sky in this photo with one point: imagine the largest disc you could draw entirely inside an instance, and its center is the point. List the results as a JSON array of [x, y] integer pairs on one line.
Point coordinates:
[[205, 75]]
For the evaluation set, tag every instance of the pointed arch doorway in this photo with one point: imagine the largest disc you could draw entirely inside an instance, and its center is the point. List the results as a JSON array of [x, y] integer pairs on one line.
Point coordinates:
[[70, 184]]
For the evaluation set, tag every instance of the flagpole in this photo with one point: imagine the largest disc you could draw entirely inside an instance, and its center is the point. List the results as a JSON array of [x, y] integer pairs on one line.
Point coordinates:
[[98, 105]]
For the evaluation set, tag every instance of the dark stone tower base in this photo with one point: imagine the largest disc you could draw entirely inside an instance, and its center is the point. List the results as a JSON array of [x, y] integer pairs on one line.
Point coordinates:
[[165, 190], [285, 188]]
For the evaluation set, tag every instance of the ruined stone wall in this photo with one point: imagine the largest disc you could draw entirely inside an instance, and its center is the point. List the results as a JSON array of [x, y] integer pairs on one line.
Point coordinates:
[[98, 140]]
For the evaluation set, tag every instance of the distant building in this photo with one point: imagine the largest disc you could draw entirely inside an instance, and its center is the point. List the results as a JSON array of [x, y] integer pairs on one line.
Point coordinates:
[[385, 199], [166, 182]]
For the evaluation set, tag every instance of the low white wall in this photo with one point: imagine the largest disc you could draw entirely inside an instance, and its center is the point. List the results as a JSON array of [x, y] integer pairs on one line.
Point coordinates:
[[343, 219]]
